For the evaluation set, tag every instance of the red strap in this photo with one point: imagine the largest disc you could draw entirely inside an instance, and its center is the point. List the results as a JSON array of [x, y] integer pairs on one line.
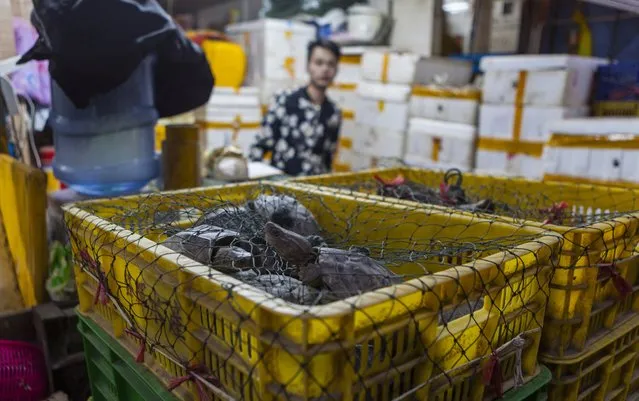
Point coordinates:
[[492, 375], [443, 193], [101, 295], [87, 259], [399, 180], [556, 212], [190, 376], [624, 288], [140, 356]]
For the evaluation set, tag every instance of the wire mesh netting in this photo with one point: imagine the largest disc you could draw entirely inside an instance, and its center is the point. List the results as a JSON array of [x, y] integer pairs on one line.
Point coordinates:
[[563, 204], [595, 283], [255, 291]]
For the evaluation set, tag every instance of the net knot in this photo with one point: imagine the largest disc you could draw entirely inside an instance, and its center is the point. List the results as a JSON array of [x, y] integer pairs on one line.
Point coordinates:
[[609, 271], [397, 181], [492, 375], [196, 374], [555, 213], [140, 356]]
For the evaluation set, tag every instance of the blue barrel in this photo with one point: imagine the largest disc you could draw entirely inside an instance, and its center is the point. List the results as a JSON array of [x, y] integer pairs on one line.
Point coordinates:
[[108, 148]]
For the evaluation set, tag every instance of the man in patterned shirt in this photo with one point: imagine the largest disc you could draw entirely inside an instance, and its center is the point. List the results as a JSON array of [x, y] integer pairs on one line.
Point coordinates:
[[301, 128]]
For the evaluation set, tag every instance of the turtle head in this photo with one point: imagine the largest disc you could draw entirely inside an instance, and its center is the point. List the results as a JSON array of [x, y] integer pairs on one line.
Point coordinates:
[[289, 245]]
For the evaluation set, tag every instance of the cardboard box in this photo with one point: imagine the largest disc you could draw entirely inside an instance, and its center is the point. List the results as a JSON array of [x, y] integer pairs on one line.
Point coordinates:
[[539, 80]]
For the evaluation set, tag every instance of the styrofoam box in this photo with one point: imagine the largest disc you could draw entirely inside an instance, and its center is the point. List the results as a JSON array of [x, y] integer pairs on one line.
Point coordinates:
[[416, 161], [552, 80], [241, 136], [344, 95], [347, 71], [502, 164], [356, 161], [382, 105], [491, 162], [228, 102], [399, 70], [380, 142], [457, 141], [457, 110], [521, 165], [599, 164], [275, 49], [497, 121]]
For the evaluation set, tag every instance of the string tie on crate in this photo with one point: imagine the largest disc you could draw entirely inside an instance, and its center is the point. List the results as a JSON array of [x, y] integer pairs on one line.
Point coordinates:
[[140, 356], [196, 374], [609, 270], [101, 295], [492, 374]]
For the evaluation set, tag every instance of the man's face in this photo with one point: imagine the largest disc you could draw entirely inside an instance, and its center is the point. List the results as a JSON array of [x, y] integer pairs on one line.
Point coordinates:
[[322, 67]]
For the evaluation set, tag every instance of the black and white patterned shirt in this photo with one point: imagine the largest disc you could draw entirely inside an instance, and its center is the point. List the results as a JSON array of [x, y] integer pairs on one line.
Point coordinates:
[[301, 136]]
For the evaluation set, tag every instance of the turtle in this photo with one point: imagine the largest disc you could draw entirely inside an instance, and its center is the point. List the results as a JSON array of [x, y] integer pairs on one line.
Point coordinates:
[[280, 286], [343, 272], [213, 246], [286, 212], [236, 218]]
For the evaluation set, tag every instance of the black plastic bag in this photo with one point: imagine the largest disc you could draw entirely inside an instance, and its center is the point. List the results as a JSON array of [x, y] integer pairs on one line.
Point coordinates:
[[94, 46]]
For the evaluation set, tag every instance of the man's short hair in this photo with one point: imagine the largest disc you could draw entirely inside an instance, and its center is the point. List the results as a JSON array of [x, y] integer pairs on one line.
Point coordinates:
[[324, 44]]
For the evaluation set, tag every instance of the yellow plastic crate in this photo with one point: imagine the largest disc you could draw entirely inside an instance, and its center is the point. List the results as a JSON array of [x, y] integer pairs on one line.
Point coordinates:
[[264, 348], [606, 372], [584, 304], [616, 109]]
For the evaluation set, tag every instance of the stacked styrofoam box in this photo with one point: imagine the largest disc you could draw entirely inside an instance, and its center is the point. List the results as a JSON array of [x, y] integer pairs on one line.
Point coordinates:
[[599, 149], [520, 94], [231, 117], [442, 127], [381, 112], [276, 52], [344, 93]]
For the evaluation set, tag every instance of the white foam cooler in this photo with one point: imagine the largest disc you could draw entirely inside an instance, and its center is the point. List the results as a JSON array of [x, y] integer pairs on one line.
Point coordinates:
[[383, 106], [545, 80], [457, 105], [440, 144], [497, 121], [344, 95], [275, 49], [232, 116], [607, 157]]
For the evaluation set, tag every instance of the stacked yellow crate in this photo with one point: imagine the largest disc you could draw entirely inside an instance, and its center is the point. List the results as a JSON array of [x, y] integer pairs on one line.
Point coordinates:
[[204, 333], [590, 337]]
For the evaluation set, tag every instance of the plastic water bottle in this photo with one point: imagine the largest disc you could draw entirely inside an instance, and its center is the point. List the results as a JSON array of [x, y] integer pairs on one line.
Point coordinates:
[[107, 148]]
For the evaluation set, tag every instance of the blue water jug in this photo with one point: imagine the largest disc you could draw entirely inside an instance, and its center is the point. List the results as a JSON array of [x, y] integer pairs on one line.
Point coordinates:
[[107, 148]]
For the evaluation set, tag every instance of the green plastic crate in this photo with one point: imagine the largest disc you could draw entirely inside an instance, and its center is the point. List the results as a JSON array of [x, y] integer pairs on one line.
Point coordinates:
[[534, 390], [114, 375]]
